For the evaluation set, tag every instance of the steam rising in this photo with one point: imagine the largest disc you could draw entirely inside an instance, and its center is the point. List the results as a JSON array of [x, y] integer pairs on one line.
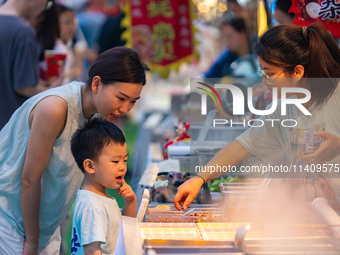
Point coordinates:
[[283, 219]]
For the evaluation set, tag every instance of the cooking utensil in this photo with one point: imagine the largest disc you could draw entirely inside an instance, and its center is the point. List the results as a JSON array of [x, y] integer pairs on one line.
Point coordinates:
[[241, 234], [188, 211]]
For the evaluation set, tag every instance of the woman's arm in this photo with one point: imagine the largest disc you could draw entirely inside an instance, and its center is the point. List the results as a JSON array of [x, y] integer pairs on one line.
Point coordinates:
[[47, 120], [232, 155]]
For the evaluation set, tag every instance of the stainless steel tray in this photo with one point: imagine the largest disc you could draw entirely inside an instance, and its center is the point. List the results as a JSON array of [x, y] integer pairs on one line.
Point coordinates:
[[196, 247], [211, 213], [298, 239]]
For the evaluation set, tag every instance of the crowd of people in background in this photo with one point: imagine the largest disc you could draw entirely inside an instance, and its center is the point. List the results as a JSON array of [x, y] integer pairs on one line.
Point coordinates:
[[81, 29], [84, 30]]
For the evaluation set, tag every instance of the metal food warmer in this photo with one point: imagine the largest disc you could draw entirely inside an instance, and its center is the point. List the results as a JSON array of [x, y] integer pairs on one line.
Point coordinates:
[[206, 232], [211, 229], [238, 238]]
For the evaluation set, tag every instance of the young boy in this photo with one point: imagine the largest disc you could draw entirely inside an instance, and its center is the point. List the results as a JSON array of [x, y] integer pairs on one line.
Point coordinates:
[[99, 148]]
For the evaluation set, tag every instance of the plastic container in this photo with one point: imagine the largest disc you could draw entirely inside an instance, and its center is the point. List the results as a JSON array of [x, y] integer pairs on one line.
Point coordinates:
[[303, 142], [244, 192], [175, 216], [143, 205], [204, 155], [170, 231]]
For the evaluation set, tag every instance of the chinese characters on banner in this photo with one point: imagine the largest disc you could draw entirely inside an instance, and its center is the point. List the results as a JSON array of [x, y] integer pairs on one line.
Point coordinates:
[[325, 11], [161, 31]]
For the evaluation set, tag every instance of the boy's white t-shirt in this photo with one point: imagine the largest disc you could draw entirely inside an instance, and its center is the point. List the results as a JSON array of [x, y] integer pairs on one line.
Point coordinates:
[[96, 218]]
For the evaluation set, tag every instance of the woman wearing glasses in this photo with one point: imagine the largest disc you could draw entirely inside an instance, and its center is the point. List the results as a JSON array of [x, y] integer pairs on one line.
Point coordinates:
[[294, 53]]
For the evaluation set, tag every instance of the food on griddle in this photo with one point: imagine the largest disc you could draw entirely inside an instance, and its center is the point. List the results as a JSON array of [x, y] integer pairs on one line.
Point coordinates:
[[203, 214], [163, 206]]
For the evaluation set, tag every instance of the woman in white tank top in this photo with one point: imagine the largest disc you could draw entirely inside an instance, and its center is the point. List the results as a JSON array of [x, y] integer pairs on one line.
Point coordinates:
[[39, 178]]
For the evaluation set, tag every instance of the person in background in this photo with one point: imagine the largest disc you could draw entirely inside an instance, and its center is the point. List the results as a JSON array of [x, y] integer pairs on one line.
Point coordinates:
[[237, 41], [111, 32], [74, 45], [18, 55], [39, 177], [47, 30], [293, 52], [99, 148], [91, 20], [281, 14]]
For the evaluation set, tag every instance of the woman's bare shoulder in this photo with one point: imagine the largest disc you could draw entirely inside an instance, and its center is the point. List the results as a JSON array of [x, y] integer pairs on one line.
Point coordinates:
[[51, 110]]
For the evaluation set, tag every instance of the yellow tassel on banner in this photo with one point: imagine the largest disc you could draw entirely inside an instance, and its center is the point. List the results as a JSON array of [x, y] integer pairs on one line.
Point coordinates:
[[261, 18]]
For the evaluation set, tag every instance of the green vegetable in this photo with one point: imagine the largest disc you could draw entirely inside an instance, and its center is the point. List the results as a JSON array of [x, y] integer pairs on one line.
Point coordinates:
[[214, 185]]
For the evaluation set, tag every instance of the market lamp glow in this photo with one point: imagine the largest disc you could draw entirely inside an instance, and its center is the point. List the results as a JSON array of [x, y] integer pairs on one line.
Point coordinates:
[[202, 7], [222, 7], [210, 3]]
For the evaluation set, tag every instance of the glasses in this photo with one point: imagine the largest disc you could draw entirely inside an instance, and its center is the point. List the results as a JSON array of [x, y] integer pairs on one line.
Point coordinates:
[[270, 80]]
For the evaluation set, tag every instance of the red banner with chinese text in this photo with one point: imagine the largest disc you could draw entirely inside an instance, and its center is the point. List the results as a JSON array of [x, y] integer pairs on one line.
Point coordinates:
[[325, 11], [161, 31]]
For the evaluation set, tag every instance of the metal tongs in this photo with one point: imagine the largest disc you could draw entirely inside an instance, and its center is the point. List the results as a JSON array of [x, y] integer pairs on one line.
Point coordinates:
[[187, 211], [241, 234]]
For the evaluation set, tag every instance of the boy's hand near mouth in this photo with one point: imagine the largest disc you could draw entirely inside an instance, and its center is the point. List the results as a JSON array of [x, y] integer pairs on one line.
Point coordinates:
[[129, 196]]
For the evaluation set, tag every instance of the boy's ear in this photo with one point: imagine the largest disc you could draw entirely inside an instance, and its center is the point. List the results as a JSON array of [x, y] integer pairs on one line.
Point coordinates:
[[88, 166]]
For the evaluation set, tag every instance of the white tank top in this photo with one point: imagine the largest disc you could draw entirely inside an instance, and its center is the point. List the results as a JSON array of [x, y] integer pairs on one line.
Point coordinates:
[[61, 178]]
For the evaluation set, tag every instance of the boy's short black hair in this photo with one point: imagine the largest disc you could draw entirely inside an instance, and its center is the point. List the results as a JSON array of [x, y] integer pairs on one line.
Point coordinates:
[[89, 140]]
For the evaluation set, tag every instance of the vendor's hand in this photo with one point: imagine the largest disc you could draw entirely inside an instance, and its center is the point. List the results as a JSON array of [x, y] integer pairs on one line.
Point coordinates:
[[126, 192], [187, 192], [30, 248], [329, 149]]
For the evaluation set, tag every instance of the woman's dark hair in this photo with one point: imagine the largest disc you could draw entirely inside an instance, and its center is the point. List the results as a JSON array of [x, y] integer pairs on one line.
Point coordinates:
[[118, 64], [89, 140], [64, 8], [237, 22], [48, 31], [316, 50]]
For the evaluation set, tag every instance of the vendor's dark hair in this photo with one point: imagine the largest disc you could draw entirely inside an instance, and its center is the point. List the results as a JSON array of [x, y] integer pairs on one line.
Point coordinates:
[[287, 46], [89, 140], [118, 64]]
